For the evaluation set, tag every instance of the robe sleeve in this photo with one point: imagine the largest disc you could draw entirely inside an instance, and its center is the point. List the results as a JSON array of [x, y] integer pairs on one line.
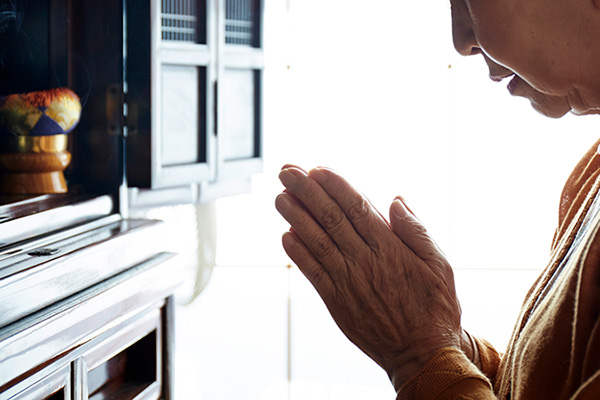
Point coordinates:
[[450, 375], [489, 358]]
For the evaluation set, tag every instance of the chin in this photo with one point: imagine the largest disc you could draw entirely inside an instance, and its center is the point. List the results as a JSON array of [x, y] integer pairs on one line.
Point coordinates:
[[546, 104], [551, 113], [551, 109], [549, 105]]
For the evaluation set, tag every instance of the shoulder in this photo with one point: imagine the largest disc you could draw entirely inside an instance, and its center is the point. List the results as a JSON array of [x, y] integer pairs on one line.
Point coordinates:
[[577, 189]]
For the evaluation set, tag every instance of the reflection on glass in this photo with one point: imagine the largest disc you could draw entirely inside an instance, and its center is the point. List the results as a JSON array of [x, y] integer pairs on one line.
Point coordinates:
[[179, 115], [238, 108]]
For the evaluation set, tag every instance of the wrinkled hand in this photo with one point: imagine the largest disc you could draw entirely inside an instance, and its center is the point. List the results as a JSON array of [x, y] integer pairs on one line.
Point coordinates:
[[387, 286]]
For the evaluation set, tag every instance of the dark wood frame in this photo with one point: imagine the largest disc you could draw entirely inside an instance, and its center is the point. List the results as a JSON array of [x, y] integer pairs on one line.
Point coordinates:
[[78, 279], [145, 167]]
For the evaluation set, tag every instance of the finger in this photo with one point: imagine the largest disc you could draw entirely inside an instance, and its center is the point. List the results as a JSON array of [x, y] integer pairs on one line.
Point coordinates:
[[326, 211], [405, 205], [297, 201], [367, 221], [316, 240], [412, 232], [286, 166], [308, 264]]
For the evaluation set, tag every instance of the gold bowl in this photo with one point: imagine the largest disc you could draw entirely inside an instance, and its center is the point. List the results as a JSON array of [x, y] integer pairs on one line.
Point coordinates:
[[33, 140], [34, 144]]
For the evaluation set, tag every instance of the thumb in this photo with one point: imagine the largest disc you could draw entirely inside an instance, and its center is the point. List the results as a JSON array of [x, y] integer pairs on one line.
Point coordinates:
[[412, 232]]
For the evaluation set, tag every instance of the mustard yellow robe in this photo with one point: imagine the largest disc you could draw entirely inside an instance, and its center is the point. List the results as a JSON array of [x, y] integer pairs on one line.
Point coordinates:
[[554, 351]]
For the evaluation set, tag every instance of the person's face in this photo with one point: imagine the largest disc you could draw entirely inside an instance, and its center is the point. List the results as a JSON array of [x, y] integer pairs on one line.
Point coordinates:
[[551, 47]]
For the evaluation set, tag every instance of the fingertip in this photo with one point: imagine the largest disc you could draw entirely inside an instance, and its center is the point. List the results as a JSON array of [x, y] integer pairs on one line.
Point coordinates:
[[317, 174], [287, 234], [398, 208], [400, 218], [292, 166], [295, 249], [283, 202], [321, 174], [287, 241], [291, 239], [401, 206], [324, 168]]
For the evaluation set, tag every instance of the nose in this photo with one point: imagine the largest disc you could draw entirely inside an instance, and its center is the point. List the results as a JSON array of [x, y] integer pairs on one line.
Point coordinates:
[[462, 30]]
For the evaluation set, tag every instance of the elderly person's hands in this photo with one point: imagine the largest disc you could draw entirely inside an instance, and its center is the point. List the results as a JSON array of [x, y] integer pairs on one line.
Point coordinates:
[[387, 286]]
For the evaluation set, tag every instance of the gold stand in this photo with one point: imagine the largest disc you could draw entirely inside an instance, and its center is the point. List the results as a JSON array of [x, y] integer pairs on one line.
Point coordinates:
[[36, 166]]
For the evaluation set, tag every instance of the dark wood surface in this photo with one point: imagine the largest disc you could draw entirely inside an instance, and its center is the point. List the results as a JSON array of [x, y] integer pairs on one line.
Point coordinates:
[[80, 284], [77, 44], [146, 167]]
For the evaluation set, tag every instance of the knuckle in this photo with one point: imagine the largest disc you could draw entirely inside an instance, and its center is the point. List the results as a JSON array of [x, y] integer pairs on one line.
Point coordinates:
[[331, 217], [323, 248], [359, 210]]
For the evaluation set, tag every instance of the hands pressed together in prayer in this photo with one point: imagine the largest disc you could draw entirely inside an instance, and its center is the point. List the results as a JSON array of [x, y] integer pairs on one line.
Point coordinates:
[[387, 285]]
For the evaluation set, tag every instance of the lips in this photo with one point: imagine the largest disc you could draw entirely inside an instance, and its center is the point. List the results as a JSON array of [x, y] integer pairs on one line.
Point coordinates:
[[498, 78], [512, 85]]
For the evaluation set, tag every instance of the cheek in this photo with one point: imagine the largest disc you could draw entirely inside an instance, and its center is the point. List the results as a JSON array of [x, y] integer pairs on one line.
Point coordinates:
[[540, 49], [500, 45], [544, 64], [495, 30]]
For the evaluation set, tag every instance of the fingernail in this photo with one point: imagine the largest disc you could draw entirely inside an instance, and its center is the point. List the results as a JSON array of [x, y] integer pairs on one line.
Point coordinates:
[[318, 175], [404, 206], [400, 209], [287, 178], [282, 202]]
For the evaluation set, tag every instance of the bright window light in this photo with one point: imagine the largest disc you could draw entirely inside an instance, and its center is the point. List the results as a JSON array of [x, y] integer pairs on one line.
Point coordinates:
[[376, 91]]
